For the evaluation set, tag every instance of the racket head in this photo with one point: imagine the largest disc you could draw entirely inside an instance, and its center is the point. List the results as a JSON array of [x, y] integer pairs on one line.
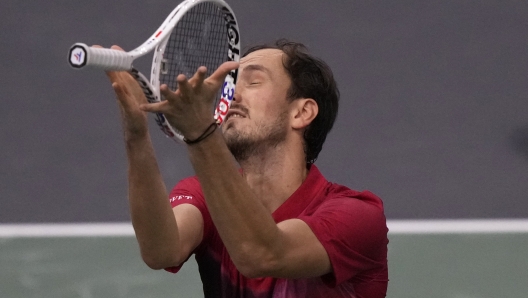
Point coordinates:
[[204, 33]]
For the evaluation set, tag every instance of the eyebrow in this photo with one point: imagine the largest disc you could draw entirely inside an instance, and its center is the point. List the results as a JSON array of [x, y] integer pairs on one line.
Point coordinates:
[[258, 67]]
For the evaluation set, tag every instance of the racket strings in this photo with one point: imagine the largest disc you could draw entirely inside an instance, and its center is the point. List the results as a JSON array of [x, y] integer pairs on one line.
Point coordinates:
[[199, 38]]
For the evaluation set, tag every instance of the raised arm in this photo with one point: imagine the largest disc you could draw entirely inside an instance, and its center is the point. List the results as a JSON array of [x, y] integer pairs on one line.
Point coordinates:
[[166, 236]]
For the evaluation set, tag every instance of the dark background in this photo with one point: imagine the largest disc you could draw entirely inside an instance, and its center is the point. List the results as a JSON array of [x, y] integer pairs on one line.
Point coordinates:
[[433, 115]]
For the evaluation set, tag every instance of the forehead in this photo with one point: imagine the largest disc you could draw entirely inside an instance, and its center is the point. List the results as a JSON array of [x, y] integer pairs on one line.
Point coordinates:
[[271, 58]]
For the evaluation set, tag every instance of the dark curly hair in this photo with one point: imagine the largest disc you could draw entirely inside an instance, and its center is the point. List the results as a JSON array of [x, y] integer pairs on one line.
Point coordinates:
[[311, 78]]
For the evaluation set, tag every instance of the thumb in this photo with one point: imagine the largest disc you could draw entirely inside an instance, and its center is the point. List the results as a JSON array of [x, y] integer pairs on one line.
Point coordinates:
[[221, 72], [155, 107]]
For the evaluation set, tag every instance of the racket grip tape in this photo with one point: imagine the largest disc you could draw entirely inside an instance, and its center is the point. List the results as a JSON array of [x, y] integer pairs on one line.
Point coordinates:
[[81, 55]]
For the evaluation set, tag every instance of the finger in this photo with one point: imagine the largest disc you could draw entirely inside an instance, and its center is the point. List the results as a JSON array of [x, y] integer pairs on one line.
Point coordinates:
[[221, 72], [184, 86], [116, 47], [198, 77], [167, 92], [156, 107], [121, 94], [114, 76], [119, 89]]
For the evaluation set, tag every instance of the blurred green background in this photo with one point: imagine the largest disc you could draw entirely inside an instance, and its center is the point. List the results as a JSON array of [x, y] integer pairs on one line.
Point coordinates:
[[420, 265]]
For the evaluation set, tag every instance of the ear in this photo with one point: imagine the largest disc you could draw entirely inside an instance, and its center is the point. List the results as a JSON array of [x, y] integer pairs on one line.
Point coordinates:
[[303, 112]]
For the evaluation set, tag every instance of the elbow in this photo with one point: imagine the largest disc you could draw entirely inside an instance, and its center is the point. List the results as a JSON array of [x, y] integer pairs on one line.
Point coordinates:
[[154, 265], [158, 262], [258, 265]]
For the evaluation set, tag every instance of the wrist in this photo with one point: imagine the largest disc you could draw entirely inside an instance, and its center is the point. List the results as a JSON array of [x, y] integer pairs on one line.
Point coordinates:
[[204, 135], [133, 139]]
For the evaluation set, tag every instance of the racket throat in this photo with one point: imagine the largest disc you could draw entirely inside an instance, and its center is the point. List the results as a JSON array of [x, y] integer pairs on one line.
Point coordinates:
[[164, 67]]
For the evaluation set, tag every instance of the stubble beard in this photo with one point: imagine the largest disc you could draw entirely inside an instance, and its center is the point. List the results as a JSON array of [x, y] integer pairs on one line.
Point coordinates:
[[265, 136]]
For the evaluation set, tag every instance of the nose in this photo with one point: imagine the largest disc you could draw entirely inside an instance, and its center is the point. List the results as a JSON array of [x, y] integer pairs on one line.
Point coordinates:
[[237, 97]]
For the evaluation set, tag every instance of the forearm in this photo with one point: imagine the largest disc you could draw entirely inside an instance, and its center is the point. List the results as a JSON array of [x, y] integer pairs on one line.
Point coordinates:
[[244, 224], [152, 217]]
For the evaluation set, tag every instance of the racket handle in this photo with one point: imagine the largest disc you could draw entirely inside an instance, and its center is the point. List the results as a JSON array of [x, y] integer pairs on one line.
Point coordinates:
[[81, 55]]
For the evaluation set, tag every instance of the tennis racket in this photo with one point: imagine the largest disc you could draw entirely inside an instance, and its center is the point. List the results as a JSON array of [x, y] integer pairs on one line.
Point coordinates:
[[196, 33]]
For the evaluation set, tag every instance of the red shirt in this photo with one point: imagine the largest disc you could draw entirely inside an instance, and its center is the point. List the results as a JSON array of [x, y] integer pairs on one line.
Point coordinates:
[[349, 224]]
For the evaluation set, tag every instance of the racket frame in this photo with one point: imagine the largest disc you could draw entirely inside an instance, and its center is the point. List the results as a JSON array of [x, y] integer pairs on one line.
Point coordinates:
[[81, 55]]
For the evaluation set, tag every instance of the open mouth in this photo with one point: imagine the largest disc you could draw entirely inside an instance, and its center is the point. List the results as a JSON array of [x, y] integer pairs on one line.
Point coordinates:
[[234, 114]]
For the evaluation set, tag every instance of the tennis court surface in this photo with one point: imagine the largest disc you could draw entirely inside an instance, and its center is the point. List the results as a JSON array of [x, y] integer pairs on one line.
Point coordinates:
[[440, 259]]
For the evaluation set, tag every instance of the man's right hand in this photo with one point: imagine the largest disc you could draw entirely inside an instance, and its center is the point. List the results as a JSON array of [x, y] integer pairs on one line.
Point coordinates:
[[129, 97]]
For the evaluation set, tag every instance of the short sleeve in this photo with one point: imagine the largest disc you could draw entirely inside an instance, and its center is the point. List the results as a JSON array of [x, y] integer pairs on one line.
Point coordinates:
[[353, 232], [188, 191]]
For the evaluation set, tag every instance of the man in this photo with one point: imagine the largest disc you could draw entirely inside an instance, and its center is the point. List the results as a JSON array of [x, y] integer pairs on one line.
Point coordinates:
[[273, 227]]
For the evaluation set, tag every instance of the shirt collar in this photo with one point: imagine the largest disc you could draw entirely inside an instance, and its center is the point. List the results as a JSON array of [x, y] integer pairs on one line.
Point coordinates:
[[299, 200]]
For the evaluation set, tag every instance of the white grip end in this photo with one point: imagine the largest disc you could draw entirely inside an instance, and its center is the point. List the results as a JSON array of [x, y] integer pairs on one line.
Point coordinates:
[[82, 55]]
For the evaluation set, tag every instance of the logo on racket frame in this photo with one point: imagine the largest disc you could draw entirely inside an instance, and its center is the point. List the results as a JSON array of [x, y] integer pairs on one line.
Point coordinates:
[[233, 54], [152, 98]]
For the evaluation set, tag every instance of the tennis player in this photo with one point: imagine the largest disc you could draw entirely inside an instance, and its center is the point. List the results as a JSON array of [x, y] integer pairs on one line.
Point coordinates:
[[269, 224]]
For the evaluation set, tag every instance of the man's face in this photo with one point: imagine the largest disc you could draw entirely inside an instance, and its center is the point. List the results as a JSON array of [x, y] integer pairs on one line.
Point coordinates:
[[258, 118]]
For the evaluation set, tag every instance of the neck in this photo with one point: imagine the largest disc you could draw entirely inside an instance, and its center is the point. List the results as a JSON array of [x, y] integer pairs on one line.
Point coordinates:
[[275, 174]]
